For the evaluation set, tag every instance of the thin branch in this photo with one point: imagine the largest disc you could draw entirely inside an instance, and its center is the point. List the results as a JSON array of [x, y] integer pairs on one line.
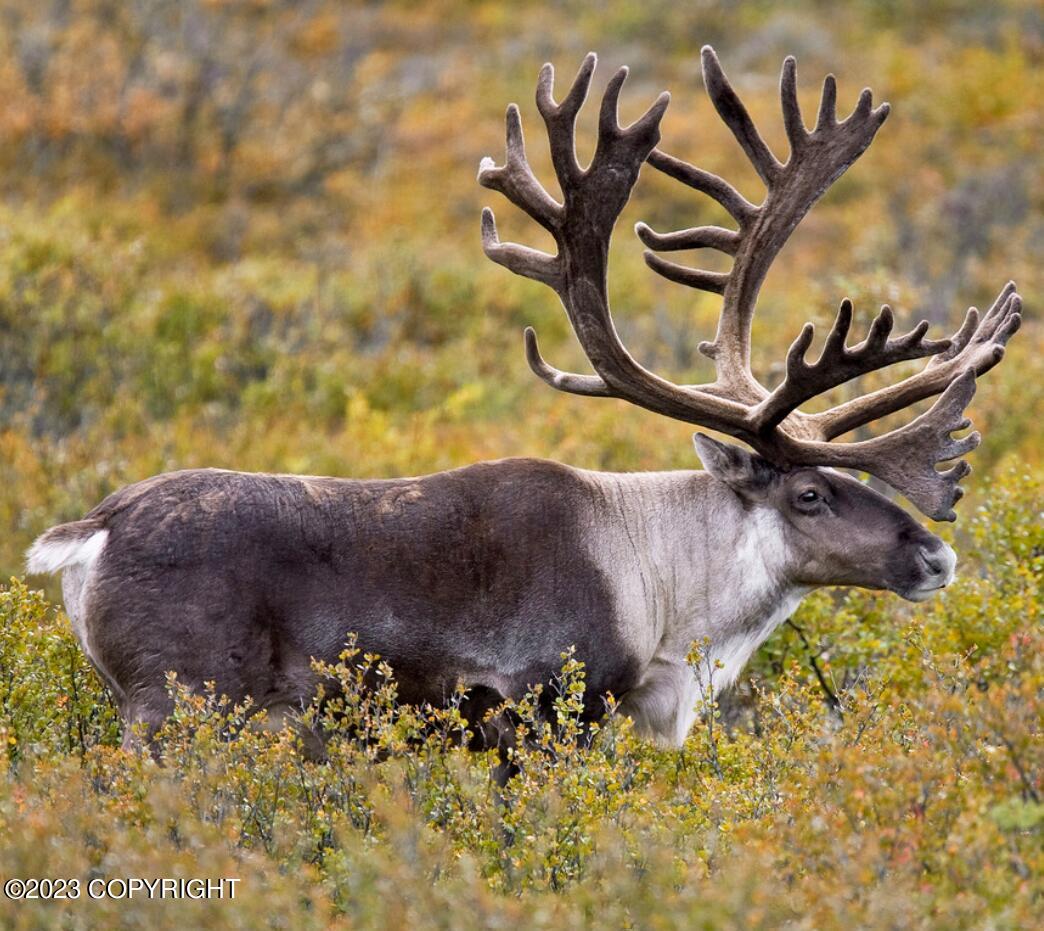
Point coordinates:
[[831, 696]]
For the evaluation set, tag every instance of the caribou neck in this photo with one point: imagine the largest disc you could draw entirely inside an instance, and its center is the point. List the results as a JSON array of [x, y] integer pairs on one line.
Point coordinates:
[[701, 564]]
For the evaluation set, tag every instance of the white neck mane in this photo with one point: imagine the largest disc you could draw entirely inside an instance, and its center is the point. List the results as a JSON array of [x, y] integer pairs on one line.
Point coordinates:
[[692, 564]]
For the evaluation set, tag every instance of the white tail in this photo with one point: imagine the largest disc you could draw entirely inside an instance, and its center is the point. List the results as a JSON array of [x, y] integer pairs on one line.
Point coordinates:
[[66, 545]]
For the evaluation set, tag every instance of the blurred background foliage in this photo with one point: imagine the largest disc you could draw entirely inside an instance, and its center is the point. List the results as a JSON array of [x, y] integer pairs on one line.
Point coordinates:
[[245, 234]]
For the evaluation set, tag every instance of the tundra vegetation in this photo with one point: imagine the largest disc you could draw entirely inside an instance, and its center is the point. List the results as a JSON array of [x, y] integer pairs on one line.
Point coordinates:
[[243, 234]]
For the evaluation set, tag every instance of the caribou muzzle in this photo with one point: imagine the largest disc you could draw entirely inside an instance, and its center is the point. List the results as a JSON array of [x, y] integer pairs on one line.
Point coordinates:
[[933, 567]]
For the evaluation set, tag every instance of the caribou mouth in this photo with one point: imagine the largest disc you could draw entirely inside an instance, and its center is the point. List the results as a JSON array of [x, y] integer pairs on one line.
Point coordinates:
[[920, 594]]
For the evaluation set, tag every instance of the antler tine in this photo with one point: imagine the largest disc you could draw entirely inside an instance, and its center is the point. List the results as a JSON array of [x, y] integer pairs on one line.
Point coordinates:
[[681, 274], [522, 260], [730, 108], [739, 208], [588, 385], [827, 104], [560, 119], [516, 181], [792, 121], [839, 363], [699, 237], [608, 112]]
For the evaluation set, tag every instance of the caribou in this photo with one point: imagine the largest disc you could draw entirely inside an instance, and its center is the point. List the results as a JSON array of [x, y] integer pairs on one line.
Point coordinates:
[[480, 577]]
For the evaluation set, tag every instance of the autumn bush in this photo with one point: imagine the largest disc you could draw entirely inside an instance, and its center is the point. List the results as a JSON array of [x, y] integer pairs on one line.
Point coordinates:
[[244, 233]]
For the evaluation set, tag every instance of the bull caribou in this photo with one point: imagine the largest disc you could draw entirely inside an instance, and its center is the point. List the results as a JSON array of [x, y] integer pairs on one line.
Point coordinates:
[[482, 576]]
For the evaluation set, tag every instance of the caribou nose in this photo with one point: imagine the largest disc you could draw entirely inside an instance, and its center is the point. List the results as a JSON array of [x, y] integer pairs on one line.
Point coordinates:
[[938, 562], [931, 560]]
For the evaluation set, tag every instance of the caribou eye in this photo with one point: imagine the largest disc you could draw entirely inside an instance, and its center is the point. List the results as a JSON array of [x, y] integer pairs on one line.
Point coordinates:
[[808, 497]]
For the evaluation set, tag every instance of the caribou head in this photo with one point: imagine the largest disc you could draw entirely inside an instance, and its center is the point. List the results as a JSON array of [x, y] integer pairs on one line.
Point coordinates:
[[835, 529]]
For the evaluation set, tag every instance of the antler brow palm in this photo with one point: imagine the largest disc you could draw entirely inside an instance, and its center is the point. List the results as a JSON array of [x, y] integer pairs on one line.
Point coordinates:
[[736, 403]]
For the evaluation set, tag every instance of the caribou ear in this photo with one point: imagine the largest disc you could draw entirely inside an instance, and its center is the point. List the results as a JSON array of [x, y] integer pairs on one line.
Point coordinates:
[[745, 473]]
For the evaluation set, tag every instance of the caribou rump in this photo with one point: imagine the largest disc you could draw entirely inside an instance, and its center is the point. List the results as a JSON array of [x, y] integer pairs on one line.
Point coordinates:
[[484, 575]]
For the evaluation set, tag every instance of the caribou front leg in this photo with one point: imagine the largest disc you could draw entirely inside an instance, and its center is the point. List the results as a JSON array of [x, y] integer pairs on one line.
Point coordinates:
[[664, 706]]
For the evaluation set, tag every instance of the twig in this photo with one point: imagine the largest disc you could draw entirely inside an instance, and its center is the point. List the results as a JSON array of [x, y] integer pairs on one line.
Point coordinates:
[[831, 697]]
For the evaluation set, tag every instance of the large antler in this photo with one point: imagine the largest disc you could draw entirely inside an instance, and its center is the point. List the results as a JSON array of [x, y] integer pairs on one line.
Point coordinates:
[[582, 226], [736, 403]]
